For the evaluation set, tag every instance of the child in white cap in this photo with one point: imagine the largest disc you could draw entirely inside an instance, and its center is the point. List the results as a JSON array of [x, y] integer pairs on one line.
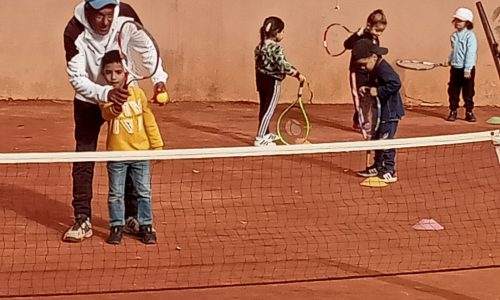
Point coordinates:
[[462, 60]]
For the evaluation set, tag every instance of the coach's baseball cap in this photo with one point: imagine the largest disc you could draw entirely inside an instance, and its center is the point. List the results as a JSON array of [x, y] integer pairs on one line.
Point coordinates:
[[365, 48], [98, 4]]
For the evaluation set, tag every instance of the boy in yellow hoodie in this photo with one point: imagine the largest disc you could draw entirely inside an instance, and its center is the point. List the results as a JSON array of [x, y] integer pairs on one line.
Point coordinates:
[[130, 127]]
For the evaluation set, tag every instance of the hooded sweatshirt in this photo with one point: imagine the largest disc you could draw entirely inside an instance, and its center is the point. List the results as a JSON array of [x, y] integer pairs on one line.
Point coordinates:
[[135, 128], [85, 50]]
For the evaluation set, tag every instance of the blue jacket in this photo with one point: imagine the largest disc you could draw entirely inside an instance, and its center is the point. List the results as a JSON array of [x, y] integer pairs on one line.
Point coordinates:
[[388, 84], [463, 50]]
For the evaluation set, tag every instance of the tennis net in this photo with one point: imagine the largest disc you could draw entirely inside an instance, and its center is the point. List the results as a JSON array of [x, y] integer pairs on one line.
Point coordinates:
[[242, 216]]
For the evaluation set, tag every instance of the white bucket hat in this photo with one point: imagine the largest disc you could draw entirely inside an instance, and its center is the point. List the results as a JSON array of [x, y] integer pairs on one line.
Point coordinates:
[[464, 14]]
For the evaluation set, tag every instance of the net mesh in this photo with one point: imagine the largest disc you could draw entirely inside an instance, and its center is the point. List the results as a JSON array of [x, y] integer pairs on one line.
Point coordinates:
[[239, 216]]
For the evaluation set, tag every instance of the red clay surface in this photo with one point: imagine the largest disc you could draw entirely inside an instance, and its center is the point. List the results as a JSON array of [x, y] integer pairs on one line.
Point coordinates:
[[227, 223]]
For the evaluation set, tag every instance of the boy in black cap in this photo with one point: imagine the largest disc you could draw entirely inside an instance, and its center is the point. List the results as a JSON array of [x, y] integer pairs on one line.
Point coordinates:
[[386, 86]]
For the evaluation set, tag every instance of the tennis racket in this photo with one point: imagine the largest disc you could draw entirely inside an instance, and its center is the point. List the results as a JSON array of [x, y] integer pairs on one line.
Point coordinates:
[[139, 52], [293, 125], [333, 39], [417, 65], [369, 113]]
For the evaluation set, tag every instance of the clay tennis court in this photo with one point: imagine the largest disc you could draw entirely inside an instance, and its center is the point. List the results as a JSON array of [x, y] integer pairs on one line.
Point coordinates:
[[241, 225], [292, 226]]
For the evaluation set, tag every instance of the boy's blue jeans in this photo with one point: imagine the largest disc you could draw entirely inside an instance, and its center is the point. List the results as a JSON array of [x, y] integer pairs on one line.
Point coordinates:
[[140, 174], [385, 160]]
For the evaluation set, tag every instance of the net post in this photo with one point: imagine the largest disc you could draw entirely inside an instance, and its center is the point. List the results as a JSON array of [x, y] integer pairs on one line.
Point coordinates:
[[495, 137]]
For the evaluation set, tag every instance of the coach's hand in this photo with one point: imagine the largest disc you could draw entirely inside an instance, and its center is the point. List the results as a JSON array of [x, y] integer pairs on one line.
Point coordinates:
[[118, 96], [467, 75], [160, 88]]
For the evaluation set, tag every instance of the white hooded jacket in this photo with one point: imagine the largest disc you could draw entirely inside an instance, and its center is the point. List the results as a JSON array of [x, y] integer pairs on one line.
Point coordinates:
[[85, 50]]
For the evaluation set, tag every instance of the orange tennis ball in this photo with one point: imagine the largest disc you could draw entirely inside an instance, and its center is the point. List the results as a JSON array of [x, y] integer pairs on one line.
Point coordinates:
[[162, 98]]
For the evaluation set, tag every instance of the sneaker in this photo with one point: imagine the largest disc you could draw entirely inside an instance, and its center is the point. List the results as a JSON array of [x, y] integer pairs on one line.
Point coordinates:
[[453, 116], [263, 142], [469, 117], [388, 177], [369, 172], [79, 231], [147, 234], [131, 226], [271, 137], [115, 235]]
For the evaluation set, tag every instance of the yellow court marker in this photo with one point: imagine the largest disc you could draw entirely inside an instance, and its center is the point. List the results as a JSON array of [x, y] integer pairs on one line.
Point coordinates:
[[373, 182], [494, 121]]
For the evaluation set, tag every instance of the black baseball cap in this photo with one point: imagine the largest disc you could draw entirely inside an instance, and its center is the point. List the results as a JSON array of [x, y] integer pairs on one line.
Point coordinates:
[[365, 48]]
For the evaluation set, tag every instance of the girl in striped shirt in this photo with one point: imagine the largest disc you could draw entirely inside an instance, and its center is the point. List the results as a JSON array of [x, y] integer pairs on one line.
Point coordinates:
[[271, 67]]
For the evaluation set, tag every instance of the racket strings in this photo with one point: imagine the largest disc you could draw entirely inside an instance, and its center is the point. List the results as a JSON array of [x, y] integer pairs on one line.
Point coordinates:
[[369, 116], [411, 102], [416, 65], [139, 51], [294, 126]]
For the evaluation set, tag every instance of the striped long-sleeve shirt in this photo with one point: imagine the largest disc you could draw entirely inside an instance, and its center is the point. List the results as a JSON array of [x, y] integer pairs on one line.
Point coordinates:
[[463, 50], [270, 60]]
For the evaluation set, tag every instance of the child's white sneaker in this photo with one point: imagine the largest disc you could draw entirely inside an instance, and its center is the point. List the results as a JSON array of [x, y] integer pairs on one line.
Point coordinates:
[[272, 137], [389, 177], [263, 142]]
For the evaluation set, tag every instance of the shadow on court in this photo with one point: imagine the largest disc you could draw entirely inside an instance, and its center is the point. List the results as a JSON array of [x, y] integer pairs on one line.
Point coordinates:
[[403, 282], [247, 139], [41, 209]]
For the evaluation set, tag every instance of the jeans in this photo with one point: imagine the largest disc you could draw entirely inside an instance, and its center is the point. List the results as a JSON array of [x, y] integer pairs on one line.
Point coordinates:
[[140, 174], [385, 160], [88, 122]]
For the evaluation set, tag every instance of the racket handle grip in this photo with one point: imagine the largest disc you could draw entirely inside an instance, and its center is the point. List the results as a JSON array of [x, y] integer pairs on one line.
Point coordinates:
[[301, 89]]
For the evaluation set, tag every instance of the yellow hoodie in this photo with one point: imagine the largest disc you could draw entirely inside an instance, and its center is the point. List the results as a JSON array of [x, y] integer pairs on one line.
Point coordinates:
[[135, 127]]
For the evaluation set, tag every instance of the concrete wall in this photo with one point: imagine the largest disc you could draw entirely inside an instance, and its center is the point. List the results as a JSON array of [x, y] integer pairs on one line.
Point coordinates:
[[208, 45]]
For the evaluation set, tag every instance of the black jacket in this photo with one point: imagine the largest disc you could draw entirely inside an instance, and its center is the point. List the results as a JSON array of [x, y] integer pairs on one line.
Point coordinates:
[[352, 40]]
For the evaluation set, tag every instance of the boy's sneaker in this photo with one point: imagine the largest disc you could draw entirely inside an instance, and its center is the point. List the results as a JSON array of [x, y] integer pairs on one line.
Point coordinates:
[[369, 172], [271, 137], [79, 231], [147, 234], [452, 117], [115, 235], [469, 117], [263, 142], [131, 226], [389, 177]]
